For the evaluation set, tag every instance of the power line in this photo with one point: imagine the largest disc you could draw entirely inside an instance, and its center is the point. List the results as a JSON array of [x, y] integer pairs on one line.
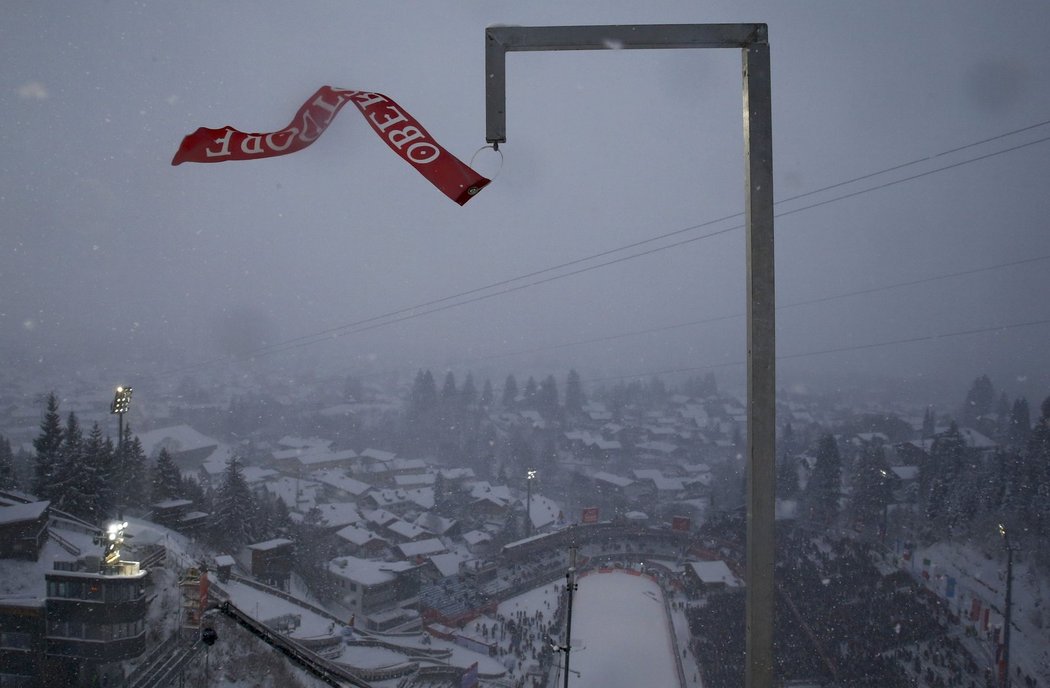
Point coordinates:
[[734, 316], [410, 312], [835, 350], [681, 231], [914, 176], [918, 161], [351, 328]]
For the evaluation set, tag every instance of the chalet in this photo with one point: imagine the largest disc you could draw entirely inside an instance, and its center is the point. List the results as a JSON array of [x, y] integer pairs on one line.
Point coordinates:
[[437, 525], [423, 497], [179, 514], [368, 587], [298, 495], [379, 517], [478, 542], [403, 531], [23, 529], [421, 549], [224, 564], [336, 515], [542, 511], [490, 500], [271, 561], [442, 565], [361, 542], [387, 499], [340, 485], [610, 484]]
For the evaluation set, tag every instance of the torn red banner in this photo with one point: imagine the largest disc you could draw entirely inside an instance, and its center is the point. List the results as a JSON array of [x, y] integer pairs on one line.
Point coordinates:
[[390, 121]]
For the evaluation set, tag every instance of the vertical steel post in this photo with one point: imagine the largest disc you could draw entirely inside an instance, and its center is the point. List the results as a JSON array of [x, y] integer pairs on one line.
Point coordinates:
[[1008, 620], [752, 40], [570, 588], [528, 504], [761, 376]]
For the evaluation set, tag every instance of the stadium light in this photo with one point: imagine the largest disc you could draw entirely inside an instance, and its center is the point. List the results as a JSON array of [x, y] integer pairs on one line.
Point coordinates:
[[121, 400], [121, 404]]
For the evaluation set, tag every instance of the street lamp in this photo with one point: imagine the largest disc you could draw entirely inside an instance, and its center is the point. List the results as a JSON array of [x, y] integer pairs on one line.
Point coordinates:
[[530, 475], [885, 502], [1009, 600]]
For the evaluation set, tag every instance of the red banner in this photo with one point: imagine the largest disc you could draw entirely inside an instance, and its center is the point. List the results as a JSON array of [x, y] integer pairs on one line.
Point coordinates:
[[589, 515], [683, 523], [401, 132]]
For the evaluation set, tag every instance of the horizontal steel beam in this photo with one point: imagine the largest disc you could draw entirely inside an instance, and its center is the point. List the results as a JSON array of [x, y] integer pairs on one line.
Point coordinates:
[[499, 40]]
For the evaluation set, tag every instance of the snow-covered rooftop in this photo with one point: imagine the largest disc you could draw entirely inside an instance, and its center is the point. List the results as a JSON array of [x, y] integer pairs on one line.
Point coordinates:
[[714, 572], [22, 512], [367, 571]]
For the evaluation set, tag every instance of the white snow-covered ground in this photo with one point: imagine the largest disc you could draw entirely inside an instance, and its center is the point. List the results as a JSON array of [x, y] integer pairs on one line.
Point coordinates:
[[619, 620], [981, 578]]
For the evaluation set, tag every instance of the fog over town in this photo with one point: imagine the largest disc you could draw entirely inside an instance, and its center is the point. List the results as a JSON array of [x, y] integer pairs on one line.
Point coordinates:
[[304, 420]]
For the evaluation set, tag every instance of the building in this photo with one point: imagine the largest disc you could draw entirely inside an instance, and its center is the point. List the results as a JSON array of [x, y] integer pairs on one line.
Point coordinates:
[[272, 561], [179, 514], [23, 530], [97, 616], [368, 587], [91, 618], [709, 576]]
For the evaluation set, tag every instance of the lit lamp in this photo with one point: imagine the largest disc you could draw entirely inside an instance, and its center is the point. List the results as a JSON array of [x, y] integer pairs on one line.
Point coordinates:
[[111, 541]]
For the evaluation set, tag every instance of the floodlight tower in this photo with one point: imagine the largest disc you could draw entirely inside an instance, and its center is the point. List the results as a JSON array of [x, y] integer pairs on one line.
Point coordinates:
[[121, 404], [530, 475]]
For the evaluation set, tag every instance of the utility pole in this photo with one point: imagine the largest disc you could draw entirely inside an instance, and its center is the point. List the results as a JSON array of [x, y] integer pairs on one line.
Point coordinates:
[[530, 475], [1007, 621], [570, 588]]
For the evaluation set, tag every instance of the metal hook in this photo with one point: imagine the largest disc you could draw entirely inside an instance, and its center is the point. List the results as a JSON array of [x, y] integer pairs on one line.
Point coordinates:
[[495, 147]]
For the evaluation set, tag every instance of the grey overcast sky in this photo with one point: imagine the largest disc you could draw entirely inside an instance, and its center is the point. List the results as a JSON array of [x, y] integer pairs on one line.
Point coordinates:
[[116, 263]]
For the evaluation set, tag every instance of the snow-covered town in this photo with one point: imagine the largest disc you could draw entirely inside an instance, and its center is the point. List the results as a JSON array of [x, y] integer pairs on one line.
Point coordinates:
[[366, 566]]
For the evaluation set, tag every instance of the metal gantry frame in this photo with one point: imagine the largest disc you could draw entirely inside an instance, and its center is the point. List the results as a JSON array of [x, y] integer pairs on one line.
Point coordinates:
[[752, 41]]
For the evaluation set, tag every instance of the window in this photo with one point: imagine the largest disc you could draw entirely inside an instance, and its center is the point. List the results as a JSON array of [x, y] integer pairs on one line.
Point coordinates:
[[15, 640], [16, 681]]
